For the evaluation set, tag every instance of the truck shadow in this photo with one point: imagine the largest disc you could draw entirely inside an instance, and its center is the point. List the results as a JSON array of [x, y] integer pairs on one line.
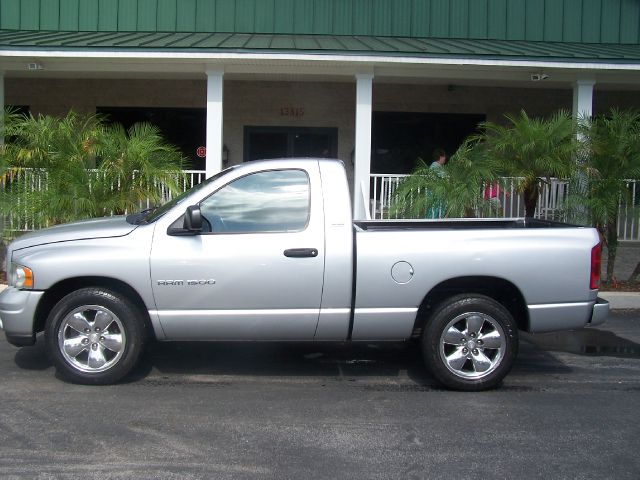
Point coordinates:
[[35, 357], [280, 359], [390, 361], [591, 342], [382, 365]]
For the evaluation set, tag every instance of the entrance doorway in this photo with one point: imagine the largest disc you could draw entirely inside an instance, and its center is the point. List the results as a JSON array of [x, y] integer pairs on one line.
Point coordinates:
[[285, 142]]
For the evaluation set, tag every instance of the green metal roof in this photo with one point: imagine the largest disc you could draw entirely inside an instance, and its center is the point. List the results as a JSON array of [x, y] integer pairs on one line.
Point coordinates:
[[319, 44], [577, 21]]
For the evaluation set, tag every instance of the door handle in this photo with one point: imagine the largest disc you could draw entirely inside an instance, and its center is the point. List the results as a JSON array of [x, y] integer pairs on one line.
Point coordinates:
[[301, 252]]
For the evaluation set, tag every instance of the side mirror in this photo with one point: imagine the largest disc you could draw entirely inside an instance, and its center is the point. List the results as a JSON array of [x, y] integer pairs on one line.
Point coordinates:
[[193, 219]]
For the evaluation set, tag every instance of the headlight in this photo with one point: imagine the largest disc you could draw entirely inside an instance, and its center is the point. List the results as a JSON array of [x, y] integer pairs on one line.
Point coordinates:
[[20, 276]]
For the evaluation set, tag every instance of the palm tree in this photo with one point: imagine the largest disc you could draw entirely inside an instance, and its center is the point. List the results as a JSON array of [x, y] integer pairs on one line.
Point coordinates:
[[134, 164], [59, 151], [611, 153], [533, 150], [6, 119], [455, 191]]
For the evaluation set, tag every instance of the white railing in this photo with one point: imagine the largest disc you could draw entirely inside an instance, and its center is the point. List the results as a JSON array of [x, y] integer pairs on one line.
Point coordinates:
[[33, 180], [506, 202], [629, 213], [190, 179]]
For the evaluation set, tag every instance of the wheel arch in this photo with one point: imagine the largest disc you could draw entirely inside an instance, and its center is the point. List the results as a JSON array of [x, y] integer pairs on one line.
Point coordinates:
[[59, 290], [499, 289]]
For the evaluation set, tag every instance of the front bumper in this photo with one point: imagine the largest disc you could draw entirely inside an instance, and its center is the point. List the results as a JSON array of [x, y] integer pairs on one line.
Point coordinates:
[[17, 314]]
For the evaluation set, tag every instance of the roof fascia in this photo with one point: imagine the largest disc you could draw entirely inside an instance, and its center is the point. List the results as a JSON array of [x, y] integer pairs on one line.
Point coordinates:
[[313, 57]]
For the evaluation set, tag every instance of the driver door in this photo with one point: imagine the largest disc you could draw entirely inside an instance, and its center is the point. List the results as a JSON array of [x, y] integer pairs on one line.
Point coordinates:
[[254, 272]]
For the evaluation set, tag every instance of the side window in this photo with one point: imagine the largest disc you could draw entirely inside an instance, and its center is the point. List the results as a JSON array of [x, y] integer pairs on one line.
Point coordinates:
[[269, 201]]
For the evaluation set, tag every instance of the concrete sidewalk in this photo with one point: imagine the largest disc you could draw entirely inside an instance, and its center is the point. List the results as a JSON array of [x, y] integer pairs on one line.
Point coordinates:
[[622, 300]]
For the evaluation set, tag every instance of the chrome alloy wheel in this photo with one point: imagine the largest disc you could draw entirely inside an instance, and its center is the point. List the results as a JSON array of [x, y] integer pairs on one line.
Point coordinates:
[[472, 345], [91, 338]]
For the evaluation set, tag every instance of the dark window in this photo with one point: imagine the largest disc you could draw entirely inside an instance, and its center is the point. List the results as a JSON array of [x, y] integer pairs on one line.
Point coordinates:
[[183, 127], [18, 109], [267, 145], [269, 201], [399, 138], [284, 142]]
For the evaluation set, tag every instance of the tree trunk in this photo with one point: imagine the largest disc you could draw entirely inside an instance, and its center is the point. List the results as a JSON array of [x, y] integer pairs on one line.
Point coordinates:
[[530, 195], [635, 276], [612, 249]]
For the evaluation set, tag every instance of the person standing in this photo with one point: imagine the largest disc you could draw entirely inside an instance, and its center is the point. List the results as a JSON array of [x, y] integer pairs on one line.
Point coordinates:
[[439, 159]]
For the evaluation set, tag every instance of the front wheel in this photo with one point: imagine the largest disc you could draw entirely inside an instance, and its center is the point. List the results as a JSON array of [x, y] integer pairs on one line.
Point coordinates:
[[470, 342], [94, 337]]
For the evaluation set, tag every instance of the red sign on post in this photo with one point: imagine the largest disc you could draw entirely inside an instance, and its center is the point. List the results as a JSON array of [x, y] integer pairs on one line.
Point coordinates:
[[201, 152]]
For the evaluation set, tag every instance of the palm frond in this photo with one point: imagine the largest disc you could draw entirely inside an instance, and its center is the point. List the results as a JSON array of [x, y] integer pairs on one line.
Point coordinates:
[[131, 166], [454, 192]]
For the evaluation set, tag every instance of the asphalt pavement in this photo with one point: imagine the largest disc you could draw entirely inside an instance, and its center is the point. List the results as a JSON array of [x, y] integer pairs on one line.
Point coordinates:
[[568, 409]]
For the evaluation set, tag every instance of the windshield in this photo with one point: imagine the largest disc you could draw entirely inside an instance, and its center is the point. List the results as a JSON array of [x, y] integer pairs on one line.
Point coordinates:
[[152, 214]]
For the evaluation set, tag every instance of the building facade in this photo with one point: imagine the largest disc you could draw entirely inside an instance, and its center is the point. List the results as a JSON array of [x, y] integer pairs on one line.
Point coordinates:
[[375, 83]]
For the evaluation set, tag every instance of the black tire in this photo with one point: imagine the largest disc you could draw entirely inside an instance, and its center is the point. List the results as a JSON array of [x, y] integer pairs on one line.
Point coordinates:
[[470, 342], [77, 343]]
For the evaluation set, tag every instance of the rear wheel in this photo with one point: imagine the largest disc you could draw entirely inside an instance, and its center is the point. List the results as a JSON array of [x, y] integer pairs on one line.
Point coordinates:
[[94, 337], [470, 342]]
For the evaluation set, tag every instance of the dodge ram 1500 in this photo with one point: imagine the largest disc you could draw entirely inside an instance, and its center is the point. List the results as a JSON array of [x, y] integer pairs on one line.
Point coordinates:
[[268, 251]]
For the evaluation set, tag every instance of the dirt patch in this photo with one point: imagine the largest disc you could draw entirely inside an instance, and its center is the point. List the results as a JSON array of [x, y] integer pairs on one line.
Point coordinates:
[[621, 287]]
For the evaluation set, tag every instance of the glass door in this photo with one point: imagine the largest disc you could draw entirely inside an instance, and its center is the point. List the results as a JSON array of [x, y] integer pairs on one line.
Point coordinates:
[[284, 142]]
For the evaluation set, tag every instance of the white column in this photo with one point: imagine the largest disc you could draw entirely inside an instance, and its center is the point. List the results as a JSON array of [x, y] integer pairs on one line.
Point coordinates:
[[583, 99], [362, 167], [214, 121], [582, 109]]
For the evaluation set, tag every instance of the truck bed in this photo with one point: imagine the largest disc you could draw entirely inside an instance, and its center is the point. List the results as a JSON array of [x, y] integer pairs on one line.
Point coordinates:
[[459, 224]]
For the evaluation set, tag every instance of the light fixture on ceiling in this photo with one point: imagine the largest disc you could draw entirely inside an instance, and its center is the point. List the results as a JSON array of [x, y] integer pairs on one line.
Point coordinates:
[[35, 66], [537, 77]]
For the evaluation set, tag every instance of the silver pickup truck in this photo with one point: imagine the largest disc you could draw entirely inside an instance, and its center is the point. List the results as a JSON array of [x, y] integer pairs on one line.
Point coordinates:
[[268, 251]]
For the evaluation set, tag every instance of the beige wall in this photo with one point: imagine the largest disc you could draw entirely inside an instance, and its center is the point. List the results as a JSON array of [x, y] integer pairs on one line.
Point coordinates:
[[56, 97], [324, 104]]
